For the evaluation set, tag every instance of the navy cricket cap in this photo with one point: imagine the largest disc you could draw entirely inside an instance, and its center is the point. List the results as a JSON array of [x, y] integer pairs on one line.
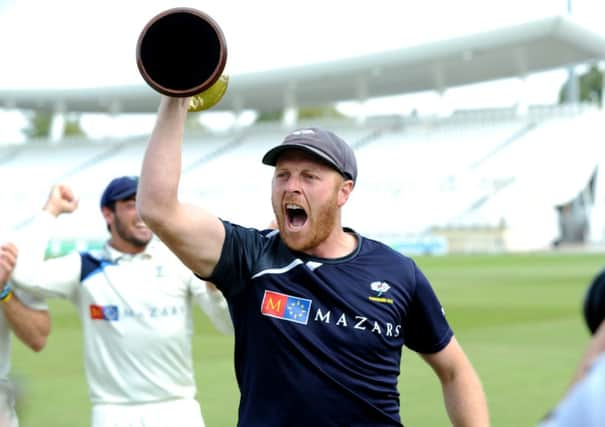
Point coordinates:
[[121, 188], [320, 143]]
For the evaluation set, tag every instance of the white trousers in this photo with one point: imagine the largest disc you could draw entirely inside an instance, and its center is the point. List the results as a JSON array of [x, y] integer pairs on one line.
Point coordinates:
[[8, 416], [169, 413]]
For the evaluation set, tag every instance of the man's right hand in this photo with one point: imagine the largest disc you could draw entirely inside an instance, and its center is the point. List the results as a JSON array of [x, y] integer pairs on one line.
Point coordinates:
[[61, 200]]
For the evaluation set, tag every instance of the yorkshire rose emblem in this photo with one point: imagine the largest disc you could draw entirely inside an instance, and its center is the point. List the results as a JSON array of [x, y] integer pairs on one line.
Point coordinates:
[[380, 287]]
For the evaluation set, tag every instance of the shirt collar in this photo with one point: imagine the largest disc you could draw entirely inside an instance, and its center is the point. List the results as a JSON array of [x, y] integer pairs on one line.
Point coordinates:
[[114, 255]]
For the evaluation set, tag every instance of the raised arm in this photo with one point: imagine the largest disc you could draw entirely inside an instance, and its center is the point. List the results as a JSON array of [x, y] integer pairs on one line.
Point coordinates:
[[30, 326], [462, 390], [595, 348], [57, 277], [192, 233]]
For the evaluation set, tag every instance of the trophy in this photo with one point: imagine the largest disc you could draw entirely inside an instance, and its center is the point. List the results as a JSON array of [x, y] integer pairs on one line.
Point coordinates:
[[182, 52]]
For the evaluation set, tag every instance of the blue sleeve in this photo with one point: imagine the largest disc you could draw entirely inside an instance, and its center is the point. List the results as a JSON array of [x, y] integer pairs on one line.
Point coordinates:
[[90, 264], [240, 250], [426, 329]]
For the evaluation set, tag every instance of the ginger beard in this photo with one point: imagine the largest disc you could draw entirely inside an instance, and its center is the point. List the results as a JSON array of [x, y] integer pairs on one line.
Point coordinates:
[[304, 225]]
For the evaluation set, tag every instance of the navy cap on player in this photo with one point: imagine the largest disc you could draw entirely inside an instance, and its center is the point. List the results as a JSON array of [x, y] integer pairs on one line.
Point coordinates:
[[120, 188], [320, 143]]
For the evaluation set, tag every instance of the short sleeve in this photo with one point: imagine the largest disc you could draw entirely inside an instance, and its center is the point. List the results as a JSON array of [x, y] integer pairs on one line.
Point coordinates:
[[426, 329], [32, 301], [240, 250]]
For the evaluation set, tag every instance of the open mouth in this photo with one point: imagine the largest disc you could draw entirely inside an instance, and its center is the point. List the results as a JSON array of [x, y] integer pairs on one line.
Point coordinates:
[[296, 215]]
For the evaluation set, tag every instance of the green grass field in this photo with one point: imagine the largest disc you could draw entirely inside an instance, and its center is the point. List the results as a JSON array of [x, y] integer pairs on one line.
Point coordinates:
[[517, 316]]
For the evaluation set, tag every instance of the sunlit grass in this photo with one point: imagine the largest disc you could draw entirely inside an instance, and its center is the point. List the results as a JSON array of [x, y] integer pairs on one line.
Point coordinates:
[[517, 316]]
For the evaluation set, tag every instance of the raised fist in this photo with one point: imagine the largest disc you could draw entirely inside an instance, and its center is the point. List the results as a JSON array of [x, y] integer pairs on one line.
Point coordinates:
[[61, 200]]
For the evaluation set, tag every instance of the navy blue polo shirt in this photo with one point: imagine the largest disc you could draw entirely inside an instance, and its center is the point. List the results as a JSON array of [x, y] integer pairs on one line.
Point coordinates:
[[319, 341]]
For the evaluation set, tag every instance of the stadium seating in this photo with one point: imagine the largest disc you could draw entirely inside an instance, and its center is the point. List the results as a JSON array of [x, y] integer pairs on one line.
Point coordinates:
[[483, 170]]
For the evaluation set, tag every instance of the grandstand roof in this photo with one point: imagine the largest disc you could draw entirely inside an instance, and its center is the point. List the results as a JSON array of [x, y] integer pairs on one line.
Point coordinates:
[[514, 51]]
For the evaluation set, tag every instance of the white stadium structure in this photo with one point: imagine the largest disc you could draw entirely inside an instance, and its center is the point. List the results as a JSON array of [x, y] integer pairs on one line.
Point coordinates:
[[516, 179]]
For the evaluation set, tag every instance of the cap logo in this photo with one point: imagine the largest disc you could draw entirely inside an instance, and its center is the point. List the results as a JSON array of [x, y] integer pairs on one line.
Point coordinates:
[[304, 132], [320, 143]]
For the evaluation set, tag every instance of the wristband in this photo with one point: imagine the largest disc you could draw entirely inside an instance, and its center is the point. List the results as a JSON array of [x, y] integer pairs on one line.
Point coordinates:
[[7, 297], [6, 293]]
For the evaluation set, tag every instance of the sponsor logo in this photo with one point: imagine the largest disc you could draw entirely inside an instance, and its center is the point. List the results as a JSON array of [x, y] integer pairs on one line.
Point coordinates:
[[298, 310], [380, 288], [112, 312], [104, 312], [286, 307], [155, 311], [359, 322]]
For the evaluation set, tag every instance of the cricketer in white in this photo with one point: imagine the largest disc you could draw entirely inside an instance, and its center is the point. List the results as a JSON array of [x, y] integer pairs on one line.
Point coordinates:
[[134, 299], [27, 317]]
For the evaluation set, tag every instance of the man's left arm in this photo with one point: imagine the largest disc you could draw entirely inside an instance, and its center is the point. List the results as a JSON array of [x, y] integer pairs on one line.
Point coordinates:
[[31, 326], [462, 390]]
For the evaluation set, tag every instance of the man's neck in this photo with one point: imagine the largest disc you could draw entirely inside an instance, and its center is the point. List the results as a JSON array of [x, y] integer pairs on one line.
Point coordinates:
[[338, 245], [126, 247]]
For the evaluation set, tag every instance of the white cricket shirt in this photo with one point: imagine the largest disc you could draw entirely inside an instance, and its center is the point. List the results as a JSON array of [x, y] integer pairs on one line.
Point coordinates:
[[136, 315]]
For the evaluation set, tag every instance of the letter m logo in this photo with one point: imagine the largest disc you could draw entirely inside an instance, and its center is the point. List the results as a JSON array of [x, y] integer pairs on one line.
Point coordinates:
[[274, 304]]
